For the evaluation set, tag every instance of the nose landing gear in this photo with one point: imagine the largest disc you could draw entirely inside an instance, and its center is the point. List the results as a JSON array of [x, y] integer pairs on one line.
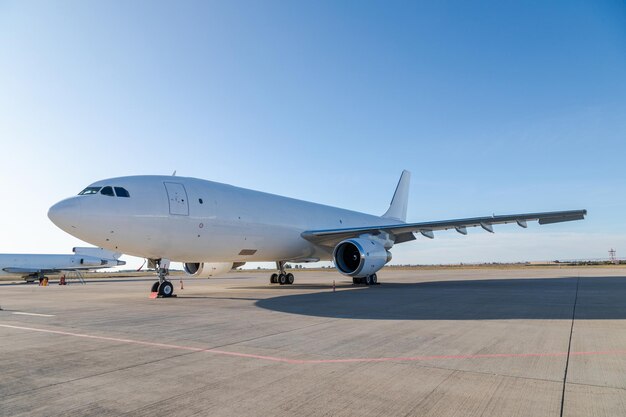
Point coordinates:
[[162, 288]]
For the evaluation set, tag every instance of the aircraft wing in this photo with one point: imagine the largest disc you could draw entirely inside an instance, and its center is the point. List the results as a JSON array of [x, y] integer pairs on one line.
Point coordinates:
[[403, 232], [28, 271]]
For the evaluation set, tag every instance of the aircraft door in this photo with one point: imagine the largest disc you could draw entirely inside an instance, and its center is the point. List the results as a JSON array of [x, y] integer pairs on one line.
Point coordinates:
[[177, 198]]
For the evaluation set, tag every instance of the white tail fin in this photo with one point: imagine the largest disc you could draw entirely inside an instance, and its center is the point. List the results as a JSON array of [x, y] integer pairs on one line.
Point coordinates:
[[400, 200]]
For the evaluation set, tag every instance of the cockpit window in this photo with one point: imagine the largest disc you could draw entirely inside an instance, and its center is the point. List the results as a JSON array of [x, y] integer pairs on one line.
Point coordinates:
[[90, 190], [121, 192], [107, 191]]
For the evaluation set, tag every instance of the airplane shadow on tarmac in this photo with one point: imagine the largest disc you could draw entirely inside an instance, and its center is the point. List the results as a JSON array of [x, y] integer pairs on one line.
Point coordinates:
[[598, 298]]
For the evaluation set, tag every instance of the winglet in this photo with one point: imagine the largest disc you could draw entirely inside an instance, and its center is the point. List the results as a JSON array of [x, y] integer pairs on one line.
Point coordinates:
[[400, 200]]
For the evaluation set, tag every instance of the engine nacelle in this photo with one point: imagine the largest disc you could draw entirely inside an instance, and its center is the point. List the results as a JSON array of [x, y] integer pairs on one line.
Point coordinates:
[[360, 257], [207, 270], [92, 262]]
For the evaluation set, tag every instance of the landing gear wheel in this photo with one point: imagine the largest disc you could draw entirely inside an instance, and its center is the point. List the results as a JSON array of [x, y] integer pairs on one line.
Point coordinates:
[[282, 279], [166, 289], [290, 278], [155, 287], [368, 280], [274, 279], [374, 279]]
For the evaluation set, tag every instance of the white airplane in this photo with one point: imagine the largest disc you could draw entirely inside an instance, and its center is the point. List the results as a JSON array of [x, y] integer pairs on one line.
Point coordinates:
[[209, 226], [34, 266]]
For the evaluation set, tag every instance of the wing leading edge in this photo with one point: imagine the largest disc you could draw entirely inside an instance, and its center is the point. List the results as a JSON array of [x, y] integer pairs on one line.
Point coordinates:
[[28, 271], [404, 231]]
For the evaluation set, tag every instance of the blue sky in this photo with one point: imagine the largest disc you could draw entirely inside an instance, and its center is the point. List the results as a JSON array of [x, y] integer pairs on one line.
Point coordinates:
[[495, 107]]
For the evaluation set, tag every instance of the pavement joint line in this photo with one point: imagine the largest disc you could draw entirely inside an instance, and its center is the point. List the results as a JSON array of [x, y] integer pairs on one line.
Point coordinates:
[[412, 411], [582, 384], [493, 395], [312, 361], [195, 390], [477, 372], [529, 378], [273, 334], [469, 371], [569, 346], [124, 368]]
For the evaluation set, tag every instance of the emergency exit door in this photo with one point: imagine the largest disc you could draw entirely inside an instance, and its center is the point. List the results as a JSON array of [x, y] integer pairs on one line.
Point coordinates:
[[177, 197]]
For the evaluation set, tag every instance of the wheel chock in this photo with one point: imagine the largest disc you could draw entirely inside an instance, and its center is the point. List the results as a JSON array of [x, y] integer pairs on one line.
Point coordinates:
[[154, 295]]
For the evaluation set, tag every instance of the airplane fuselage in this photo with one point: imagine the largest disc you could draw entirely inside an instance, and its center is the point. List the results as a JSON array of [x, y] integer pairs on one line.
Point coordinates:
[[193, 220]]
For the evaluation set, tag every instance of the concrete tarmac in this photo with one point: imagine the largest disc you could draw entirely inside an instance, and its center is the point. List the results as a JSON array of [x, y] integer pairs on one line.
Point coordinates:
[[484, 342]]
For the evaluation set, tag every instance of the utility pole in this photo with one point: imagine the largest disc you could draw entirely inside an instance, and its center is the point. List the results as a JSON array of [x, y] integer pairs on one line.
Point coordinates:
[[612, 257]]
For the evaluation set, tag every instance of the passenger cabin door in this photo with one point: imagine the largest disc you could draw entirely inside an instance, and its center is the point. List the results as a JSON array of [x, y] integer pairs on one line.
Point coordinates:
[[177, 197]]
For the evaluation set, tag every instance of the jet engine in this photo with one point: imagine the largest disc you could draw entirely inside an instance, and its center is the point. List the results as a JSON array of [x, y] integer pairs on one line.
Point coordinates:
[[92, 262], [360, 257], [207, 270]]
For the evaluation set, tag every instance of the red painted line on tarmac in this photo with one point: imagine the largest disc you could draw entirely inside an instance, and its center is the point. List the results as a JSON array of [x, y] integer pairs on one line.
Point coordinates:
[[312, 361]]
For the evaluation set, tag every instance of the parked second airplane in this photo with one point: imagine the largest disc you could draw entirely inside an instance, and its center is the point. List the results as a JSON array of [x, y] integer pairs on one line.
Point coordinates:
[[34, 266], [210, 226]]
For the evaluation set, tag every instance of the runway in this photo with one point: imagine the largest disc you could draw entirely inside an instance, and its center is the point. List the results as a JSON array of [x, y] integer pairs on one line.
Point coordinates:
[[476, 342]]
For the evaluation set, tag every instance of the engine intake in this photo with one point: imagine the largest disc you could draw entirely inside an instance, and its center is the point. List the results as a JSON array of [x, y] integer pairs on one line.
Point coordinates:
[[207, 270], [360, 257]]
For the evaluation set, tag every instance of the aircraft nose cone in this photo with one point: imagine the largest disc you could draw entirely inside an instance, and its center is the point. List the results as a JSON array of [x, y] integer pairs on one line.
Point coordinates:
[[64, 213]]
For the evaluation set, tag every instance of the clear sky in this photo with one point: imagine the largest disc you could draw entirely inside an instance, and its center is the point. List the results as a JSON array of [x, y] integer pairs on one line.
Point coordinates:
[[495, 107]]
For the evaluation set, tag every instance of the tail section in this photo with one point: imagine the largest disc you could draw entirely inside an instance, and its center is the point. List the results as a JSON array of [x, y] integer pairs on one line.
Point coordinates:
[[400, 200]]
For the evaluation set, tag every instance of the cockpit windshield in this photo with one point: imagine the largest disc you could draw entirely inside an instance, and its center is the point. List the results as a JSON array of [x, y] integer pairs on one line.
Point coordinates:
[[107, 190], [90, 190], [121, 192]]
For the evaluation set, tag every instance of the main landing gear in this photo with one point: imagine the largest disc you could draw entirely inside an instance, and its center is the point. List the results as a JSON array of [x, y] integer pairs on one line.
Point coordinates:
[[162, 288], [282, 278], [368, 280]]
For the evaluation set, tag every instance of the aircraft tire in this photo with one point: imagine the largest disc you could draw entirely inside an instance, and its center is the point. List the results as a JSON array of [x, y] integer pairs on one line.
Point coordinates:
[[274, 279], [374, 279], [290, 278], [166, 289], [155, 287], [282, 279], [368, 280]]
